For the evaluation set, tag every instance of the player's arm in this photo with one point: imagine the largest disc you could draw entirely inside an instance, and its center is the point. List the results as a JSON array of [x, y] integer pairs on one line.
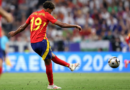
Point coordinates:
[[65, 25], [7, 48], [20, 29], [6, 15]]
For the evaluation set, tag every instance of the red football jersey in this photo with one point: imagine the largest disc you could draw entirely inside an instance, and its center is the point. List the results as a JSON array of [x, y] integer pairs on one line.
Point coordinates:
[[38, 23]]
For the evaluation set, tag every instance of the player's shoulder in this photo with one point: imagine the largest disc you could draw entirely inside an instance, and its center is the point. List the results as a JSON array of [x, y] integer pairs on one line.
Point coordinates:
[[39, 13]]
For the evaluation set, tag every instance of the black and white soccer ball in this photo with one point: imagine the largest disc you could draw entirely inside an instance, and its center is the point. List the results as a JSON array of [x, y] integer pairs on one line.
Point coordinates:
[[114, 62]]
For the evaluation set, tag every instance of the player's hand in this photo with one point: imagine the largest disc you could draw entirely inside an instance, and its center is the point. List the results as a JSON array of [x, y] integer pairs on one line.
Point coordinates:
[[78, 27], [12, 33]]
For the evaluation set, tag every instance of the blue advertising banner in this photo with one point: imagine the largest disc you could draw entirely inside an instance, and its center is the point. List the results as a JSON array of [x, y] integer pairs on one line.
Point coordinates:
[[89, 62]]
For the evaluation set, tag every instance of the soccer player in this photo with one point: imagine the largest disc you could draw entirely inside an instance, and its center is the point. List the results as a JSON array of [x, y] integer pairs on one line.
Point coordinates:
[[4, 43], [126, 63], [4, 47], [38, 23], [9, 18], [128, 42]]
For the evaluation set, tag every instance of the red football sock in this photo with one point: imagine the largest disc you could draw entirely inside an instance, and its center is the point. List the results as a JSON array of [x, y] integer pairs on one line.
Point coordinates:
[[129, 61], [0, 71], [49, 73], [59, 61]]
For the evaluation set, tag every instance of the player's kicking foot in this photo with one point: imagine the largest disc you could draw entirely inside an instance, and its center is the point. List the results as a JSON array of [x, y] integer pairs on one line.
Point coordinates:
[[126, 63], [53, 87], [73, 66]]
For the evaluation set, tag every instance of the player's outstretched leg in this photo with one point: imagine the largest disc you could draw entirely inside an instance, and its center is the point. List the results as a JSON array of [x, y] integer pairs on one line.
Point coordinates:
[[1, 67], [72, 67], [126, 63], [49, 73]]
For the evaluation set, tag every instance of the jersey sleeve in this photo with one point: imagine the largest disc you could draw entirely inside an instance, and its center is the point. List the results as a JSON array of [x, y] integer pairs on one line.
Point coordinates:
[[51, 18], [28, 20]]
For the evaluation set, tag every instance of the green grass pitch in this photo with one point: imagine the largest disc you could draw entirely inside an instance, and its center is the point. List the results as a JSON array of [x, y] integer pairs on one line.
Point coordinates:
[[68, 81]]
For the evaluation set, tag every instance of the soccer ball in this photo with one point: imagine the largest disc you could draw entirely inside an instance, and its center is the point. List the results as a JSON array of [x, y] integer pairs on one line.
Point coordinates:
[[114, 62]]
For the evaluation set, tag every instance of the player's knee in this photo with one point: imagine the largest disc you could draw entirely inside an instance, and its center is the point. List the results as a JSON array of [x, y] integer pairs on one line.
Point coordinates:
[[53, 55], [47, 61]]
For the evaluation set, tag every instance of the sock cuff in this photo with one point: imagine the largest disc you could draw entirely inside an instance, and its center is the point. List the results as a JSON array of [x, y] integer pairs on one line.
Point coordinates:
[[55, 57], [49, 65]]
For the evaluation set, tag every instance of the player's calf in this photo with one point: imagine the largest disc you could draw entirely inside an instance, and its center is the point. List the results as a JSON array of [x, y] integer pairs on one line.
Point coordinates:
[[59, 61], [49, 71]]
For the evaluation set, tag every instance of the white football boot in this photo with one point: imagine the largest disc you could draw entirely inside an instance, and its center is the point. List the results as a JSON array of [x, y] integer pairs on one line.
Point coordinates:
[[53, 87], [73, 66]]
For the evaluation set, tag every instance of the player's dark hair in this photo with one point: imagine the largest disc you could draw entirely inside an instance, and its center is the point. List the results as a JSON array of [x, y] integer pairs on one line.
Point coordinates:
[[48, 4]]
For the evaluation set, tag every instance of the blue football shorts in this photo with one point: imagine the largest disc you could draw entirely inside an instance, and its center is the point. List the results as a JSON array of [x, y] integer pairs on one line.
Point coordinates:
[[43, 49], [1, 51], [1, 54]]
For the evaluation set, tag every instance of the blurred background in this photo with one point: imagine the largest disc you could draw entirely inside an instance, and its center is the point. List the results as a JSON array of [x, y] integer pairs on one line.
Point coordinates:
[[105, 23]]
